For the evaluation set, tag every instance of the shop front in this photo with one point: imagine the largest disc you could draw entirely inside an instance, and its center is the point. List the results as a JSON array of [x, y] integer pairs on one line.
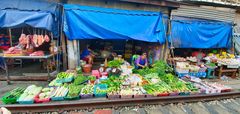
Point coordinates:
[[32, 35], [108, 39]]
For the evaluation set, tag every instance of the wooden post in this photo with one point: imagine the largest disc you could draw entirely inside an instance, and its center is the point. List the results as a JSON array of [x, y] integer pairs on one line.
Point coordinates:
[[64, 51], [63, 44], [75, 48], [10, 36], [162, 51], [71, 55]]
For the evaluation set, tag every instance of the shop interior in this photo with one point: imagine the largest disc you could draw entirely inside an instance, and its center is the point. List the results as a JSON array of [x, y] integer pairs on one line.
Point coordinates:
[[106, 50]]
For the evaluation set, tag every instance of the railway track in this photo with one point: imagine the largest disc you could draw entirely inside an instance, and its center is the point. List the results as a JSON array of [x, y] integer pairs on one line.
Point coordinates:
[[91, 104]]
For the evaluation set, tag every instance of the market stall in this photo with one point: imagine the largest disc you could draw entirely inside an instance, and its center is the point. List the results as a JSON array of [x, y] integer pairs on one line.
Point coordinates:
[[43, 22], [207, 35], [147, 26], [157, 81]]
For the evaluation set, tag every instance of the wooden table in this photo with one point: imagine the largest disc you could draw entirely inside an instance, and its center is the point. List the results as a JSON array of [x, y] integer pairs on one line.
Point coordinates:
[[46, 57], [223, 69]]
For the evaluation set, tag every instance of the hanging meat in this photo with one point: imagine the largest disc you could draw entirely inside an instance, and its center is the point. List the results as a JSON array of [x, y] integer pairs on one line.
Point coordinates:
[[40, 40], [46, 38], [23, 39], [35, 40], [28, 41]]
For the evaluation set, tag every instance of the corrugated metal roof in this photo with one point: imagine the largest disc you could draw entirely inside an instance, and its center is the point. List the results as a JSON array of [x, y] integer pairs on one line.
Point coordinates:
[[204, 13]]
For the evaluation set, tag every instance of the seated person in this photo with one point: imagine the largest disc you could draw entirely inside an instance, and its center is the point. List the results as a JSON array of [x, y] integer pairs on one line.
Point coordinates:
[[87, 55], [199, 55], [141, 61]]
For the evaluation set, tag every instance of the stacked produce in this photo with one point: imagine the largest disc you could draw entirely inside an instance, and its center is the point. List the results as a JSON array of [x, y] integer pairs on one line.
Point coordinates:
[[29, 94], [157, 80], [87, 91], [59, 93], [64, 77], [54, 83], [73, 91], [80, 79], [44, 95]]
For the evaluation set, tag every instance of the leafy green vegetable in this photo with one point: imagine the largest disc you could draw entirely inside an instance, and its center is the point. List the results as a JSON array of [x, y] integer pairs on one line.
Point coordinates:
[[87, 89], [74, 90], [115, 63], [80, 79], [62, 75], [92, 78]]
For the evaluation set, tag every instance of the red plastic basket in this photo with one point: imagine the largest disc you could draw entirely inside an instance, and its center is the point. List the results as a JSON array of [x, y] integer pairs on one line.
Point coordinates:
[[37, 100]]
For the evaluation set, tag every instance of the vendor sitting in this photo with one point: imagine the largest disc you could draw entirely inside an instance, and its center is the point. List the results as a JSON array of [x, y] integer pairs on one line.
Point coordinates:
[[87, 55], [141, 62]]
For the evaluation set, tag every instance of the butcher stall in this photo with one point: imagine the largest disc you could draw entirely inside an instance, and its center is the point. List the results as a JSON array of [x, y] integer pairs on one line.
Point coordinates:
[[36, 31]]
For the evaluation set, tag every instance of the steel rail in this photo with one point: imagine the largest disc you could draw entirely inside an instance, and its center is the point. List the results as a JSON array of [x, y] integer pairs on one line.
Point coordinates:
[[94, 103]]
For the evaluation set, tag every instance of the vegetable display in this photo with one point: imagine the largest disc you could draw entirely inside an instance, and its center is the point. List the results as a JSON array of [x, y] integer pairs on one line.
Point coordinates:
[[60, 92], [74, 90], [46, 93], [80, 79], [115, 63], [62, 75], [87, 89], [30, 93], [12, 96], [156, 80], [54, 83]]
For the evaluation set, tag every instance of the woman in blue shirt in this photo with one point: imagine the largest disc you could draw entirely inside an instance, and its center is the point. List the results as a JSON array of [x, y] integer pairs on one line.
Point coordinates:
[[87, 55]]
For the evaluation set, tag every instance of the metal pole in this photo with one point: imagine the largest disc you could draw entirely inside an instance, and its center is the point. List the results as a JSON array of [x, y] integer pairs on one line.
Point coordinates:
[[10, 36]]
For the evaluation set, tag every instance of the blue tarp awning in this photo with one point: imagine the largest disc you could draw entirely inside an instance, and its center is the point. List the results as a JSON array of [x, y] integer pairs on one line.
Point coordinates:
[[86, 22], [34, 13], [200, 34]]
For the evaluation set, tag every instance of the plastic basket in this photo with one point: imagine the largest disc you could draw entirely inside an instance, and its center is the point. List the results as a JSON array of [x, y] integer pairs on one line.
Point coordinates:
[[65, 80], [26, 102], [59, 98], [174, 94], [163, 94], [150, 96], [37, 100], [184, 93], [139, 96], [85, 96], [179, 70], [101, 86], [9, 100], [72, 98], [126, 96], [198, 74], [113, 96]]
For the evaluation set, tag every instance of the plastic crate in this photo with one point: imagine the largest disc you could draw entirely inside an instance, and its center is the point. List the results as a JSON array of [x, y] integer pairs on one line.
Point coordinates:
[[65, 80], [198, 74], [139, 96], [37, 100], [184, 93], [26, 102], [101, 86], [203, 69], [59, 98], [174, 94], [163, 94], [126, 96], [9, 100], [72, 98], [85, 96], [150, 96], [113, 96]]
